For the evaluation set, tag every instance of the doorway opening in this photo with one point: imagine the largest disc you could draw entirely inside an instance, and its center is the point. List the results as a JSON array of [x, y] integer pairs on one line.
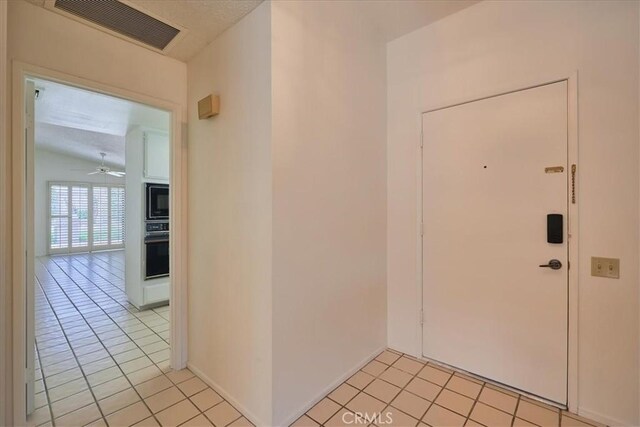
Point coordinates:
[[97, 234]]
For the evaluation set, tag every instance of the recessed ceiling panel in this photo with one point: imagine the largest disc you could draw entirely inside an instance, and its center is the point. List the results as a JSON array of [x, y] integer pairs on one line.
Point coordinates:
[[123, 19]]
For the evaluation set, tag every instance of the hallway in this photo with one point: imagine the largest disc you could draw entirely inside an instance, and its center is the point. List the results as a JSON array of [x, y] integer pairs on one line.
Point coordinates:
[[100, 361]]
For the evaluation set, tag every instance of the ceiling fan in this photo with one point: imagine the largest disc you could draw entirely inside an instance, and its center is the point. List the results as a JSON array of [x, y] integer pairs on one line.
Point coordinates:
[[106, 170]]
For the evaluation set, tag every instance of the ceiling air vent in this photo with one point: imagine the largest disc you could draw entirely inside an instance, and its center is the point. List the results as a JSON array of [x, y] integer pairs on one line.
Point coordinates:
[[122, 19]]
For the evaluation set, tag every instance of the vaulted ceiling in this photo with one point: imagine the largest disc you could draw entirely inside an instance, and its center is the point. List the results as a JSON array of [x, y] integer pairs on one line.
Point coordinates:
[[81, 123]]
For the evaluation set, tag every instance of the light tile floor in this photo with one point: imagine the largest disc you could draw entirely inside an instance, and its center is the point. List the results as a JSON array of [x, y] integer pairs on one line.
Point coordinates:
[[408, 392], [100, 361]]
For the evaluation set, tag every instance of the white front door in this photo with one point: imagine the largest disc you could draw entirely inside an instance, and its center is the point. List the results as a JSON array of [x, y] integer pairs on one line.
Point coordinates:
[[489, 306]]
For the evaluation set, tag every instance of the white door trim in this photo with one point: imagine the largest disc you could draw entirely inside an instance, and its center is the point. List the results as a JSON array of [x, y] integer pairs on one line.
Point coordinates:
[[178, 223], [29, 233], [572, 225], [5, 293]]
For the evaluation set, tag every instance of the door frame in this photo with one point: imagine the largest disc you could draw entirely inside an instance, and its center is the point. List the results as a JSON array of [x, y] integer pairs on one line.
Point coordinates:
[[572, 223], [178, 222]]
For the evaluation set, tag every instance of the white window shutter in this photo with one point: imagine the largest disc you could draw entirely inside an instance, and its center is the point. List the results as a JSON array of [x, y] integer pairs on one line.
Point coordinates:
[[80, 216], [85, 217], [100, 216]]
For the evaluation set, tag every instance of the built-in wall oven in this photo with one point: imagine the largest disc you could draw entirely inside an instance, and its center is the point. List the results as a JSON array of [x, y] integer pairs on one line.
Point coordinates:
[[156, 249], [157, 202]]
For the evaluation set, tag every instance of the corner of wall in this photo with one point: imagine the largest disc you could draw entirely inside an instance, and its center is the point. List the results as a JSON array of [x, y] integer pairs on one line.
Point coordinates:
[[5, 271], [229, 207]]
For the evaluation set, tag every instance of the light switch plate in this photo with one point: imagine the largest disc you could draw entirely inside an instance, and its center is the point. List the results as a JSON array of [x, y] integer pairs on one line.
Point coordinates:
[[605, 267]]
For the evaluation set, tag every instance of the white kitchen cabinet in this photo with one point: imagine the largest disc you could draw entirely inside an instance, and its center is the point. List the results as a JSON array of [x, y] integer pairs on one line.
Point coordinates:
[[156, 155], [147, 160]]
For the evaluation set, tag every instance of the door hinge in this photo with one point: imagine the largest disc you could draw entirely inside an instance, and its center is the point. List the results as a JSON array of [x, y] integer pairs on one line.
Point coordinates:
[[422, 229], [422, 317]]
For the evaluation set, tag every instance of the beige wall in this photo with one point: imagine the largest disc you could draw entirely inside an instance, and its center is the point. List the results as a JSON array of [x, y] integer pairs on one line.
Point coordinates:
[[496, 46], [5, 318], [230, 216], [39, 37], [42, 38], [290, 209], [329, 199]]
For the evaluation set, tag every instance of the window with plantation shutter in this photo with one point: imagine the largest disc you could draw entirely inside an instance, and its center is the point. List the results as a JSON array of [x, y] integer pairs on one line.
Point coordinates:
[[79, 216], [59, 214], [100, 216], [85, 217], [117, 216]]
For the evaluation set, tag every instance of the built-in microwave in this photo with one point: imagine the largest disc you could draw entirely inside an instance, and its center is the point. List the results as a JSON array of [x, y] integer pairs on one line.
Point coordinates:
[[157, 201]]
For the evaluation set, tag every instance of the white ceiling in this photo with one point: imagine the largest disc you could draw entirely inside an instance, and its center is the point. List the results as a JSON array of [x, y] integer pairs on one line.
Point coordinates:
[[81, 144], [82, 123], [204, 20], [399, 17]]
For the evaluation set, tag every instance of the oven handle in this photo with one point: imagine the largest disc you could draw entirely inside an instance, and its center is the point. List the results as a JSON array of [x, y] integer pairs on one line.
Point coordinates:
[[155, 241]]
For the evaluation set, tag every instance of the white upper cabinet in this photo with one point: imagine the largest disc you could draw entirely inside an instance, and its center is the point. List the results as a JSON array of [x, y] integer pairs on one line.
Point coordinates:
[[156, 155]]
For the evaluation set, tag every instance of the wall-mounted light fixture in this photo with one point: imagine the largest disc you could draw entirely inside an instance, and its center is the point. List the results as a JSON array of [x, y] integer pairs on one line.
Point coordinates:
[[208, 106]]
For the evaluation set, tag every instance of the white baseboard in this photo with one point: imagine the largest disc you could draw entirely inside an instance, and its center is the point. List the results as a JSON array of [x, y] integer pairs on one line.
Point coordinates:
[[260, 423], [331, 386], [222, 392], [604, 419]]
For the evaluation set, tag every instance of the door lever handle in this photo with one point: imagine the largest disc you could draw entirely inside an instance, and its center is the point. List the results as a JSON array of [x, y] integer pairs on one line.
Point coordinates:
[[554, 264]]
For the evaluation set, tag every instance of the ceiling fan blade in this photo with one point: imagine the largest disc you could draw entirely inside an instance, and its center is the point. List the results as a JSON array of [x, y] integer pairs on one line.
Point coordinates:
[[117, 174], [93, 173]]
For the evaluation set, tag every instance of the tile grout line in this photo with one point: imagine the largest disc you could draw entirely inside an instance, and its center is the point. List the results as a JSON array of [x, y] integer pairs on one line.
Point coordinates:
[[117, 364], [44, 384], [452, 373], [477, 399], [109, 315], [93, 309], [163, 374], [436, 398], [53, 422], [388, 404], [341, 406], [102, 277], [403, 388], [70, 265], [75, 268], [515, 411], [89, 263]]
